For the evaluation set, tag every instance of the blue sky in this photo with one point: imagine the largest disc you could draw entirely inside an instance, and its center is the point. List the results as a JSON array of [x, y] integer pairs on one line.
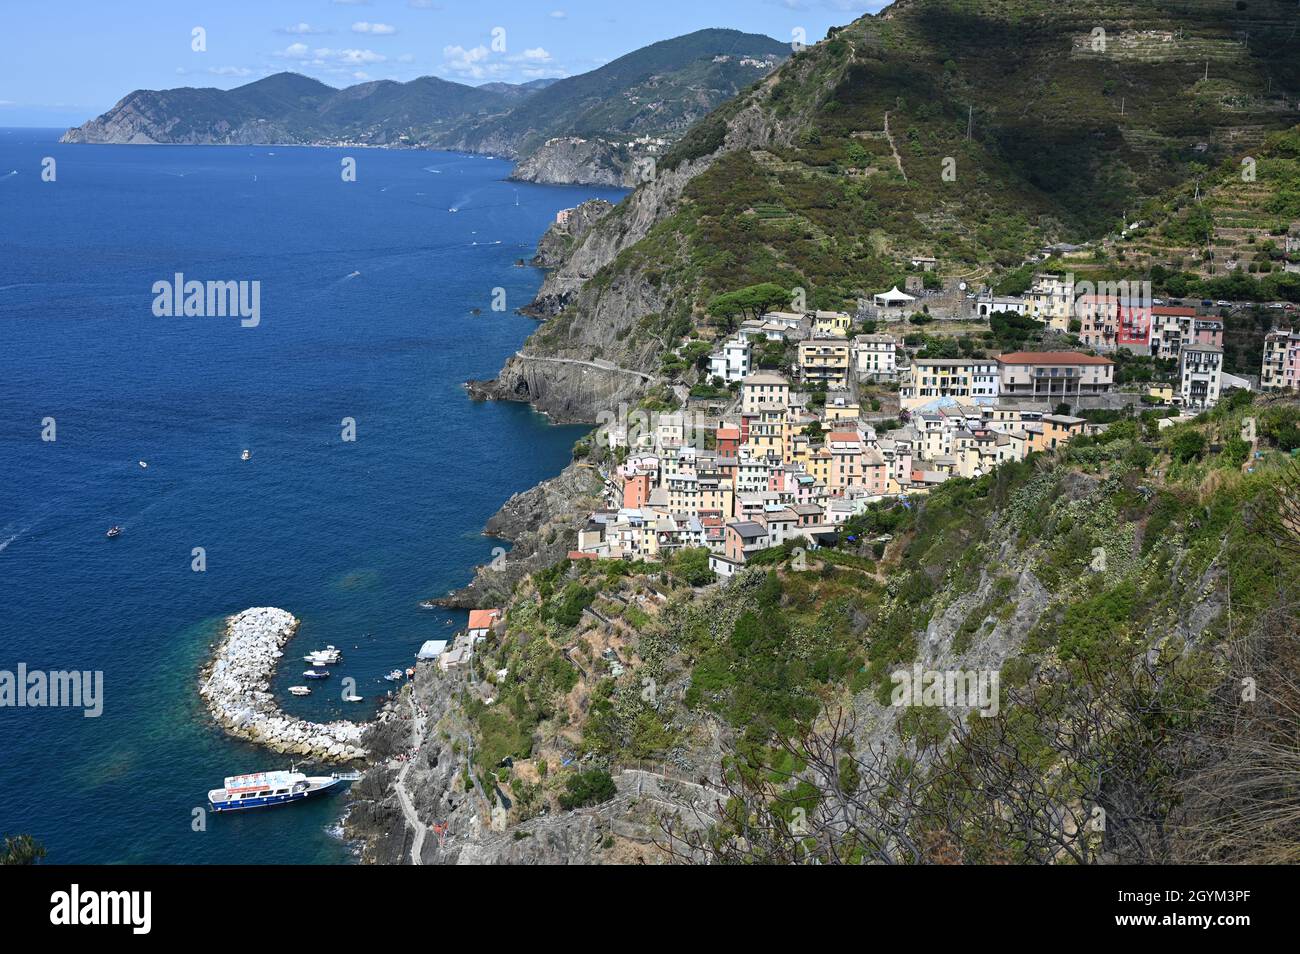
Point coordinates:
[[65, 61]]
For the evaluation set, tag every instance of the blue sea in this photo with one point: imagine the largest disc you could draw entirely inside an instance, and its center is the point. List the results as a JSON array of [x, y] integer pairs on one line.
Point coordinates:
[[367, 292]]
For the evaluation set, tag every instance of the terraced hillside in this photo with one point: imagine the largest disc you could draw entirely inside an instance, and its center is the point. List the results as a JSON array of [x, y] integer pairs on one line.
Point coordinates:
[[975, 132]]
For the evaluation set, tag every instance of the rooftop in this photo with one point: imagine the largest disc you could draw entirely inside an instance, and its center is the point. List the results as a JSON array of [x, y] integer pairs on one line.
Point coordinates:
[[1052, 357]]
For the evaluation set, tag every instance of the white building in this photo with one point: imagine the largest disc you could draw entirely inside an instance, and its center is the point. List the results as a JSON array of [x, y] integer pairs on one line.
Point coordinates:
[[732, 362], [875, 355], [1199, 370]]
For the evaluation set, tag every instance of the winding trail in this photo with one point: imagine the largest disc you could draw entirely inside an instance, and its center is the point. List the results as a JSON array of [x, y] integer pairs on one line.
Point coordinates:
[[403, 799], [898, 160], [597, 364]]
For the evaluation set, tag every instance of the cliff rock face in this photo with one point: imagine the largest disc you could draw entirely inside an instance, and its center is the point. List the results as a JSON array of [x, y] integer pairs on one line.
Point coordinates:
[[561, 237], [603, 341], [570, 160], [540, 524]]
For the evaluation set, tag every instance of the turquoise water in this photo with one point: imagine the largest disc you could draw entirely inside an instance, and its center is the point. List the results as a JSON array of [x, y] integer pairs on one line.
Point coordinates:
[[366, 296]]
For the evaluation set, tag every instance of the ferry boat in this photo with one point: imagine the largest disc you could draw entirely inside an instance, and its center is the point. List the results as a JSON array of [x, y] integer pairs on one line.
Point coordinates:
[[316, 674], [273, 788]]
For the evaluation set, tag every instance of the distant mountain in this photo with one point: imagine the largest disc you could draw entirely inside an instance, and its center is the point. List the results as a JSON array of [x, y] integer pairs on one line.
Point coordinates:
[[655, 93], [518, 90], [658, 91], [289, 108]]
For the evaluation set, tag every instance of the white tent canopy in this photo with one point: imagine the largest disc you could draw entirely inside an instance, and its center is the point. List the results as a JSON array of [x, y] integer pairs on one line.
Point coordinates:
[[893, 297]]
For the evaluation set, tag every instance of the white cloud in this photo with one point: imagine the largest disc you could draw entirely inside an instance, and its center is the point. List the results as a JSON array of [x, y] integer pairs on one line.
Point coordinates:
[[301, 29], [423, 5], [328, 58], [377, 29], [535, 55], [559, 15], [230, 71], [467, 62]]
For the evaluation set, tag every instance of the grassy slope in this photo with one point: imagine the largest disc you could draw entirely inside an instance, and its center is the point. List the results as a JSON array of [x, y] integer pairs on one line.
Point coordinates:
[[1188, 572], [1066, 142]]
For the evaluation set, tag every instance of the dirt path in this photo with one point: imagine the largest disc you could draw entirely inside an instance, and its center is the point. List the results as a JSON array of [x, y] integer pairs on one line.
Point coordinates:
[[898, 160]]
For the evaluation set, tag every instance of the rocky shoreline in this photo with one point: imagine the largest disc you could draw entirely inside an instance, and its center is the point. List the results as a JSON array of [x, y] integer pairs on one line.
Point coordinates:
[[235, 686]]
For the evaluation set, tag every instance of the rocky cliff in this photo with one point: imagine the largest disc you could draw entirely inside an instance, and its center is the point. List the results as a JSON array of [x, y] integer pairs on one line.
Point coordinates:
[[570, 160], [541, 526]]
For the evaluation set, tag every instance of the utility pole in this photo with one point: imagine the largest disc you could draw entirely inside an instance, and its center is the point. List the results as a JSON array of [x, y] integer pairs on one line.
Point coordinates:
[[970, 121]]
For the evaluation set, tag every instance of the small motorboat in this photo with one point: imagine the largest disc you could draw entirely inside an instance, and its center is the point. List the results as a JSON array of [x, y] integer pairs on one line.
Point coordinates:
[[395, 675], [246, 455], [351, 697], [316, 674], [144, 464], [300, 690], [113, 531], [323, 657]]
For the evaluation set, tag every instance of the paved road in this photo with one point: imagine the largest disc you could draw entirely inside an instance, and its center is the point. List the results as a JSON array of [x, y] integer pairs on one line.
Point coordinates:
[[598, 364]]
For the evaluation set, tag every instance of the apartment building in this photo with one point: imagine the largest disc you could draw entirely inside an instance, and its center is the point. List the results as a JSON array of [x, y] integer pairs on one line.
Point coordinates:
[[974, 380], [824, 362], [1199, 372], [732, 362], [875, 356], [1281, 367], [763, 387], [1051, 300], [1054, 375]]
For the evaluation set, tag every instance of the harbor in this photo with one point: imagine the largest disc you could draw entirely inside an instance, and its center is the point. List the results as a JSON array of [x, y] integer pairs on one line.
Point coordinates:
[[235, 686]]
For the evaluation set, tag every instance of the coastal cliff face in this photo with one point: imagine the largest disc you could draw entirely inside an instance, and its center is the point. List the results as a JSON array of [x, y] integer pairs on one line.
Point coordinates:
[[610, 320], [561, 237], [541, 526], [570, 160], [148, 118]]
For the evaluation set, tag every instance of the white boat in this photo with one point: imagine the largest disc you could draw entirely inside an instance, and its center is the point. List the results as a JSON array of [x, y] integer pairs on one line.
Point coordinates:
[[395, 675], [144, 465], [324, 657], [273, 788], [300, 690], [246, 455], [351, 697]]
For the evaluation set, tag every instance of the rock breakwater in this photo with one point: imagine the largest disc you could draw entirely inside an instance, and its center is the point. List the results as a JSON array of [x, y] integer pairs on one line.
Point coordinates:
[[236, 689]]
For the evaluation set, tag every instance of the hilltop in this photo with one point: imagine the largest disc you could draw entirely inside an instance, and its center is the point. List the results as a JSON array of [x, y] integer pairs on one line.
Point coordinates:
[[1053, 121], [635, 105]]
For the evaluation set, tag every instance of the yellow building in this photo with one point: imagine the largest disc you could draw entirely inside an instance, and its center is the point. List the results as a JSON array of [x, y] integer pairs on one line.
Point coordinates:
[[835, 323], [825, 362]]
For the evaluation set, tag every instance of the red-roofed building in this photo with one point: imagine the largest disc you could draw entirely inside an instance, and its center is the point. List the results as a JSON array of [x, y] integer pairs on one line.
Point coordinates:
[[1054, 375], [482, 620], [728, 441]]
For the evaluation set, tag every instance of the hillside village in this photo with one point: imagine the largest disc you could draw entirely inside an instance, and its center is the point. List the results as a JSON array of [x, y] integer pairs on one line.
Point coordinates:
[[764, 458]]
